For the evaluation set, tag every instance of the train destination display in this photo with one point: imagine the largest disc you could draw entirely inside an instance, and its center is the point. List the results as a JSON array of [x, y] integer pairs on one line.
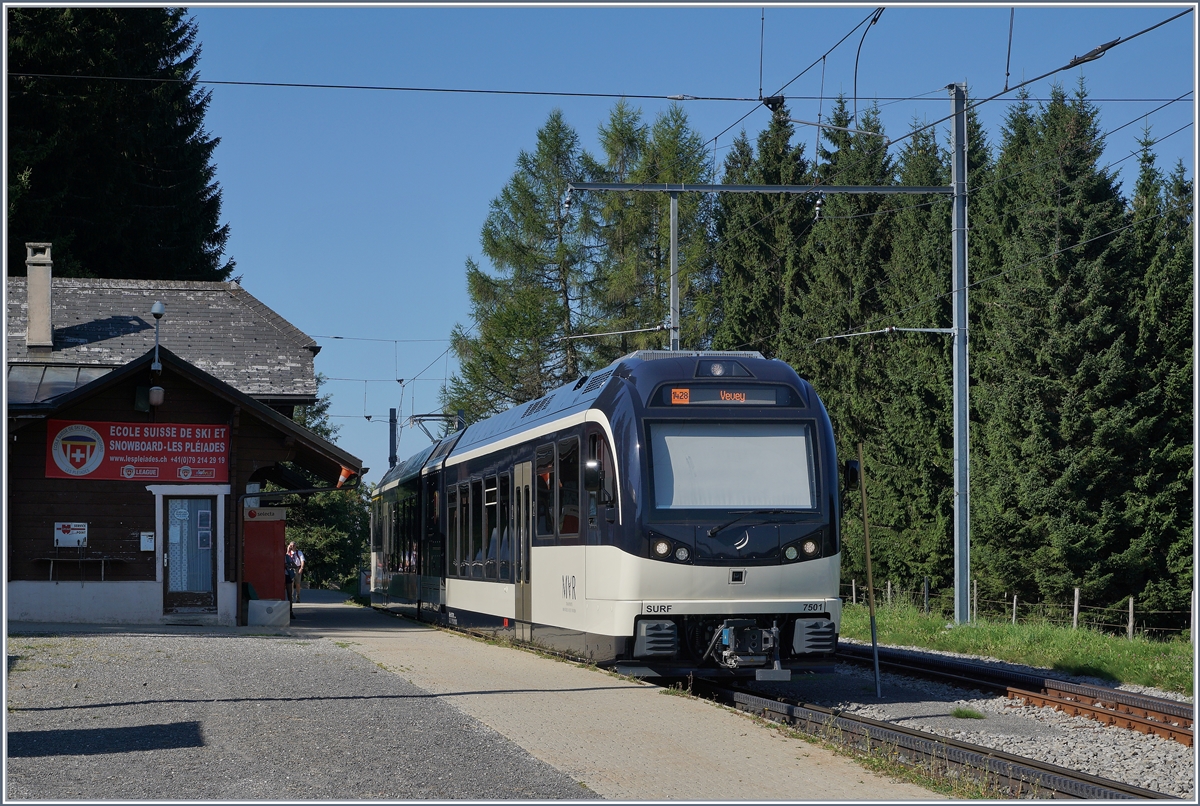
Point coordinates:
[[706, 395]]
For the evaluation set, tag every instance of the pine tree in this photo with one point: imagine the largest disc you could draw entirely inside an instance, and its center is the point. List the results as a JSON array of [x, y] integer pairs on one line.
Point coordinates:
[[1055, 372], [633, 269], [912, 492], [117, 175], [759, 236], [1159, 505], [619, 288], [528, 307]]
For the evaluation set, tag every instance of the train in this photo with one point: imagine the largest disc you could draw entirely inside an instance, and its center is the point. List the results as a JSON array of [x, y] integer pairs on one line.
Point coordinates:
[[675, 513]]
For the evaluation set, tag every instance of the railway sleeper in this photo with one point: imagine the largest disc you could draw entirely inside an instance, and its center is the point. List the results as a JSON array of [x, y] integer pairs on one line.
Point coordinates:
[[1104, 715]]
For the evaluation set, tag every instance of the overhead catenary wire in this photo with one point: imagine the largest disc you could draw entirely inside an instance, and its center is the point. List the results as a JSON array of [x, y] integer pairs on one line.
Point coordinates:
[[1091, 55], [1006, 272]]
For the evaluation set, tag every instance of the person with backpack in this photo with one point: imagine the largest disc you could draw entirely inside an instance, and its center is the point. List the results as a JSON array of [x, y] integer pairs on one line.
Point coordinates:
[[293, 568]]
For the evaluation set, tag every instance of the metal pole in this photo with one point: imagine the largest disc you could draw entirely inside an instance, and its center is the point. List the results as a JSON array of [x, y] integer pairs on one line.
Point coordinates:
[[1075, 613], [862, 489], [927, 596], [674, 271], [392, 438], [1130, 633], [961, 380], [1014, 609]]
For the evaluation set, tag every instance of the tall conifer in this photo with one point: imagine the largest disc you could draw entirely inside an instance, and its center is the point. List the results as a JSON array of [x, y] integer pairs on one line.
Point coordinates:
[[117, 175], [1055, 375], [758, 237]]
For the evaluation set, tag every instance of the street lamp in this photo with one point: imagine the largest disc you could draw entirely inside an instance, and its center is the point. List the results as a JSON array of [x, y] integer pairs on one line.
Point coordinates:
[[157, 311]]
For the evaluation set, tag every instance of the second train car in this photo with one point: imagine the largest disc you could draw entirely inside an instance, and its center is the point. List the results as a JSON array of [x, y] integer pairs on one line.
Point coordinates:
[[674, 513]]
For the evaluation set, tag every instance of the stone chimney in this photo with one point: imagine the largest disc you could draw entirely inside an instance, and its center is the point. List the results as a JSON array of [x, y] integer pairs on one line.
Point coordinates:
[[39, 333]]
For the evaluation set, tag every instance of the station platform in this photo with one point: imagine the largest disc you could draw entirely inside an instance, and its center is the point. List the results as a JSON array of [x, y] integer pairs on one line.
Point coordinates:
[[623, 739]]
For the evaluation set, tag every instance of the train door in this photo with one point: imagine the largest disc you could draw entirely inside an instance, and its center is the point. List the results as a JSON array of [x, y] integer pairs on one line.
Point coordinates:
[[523, 522]]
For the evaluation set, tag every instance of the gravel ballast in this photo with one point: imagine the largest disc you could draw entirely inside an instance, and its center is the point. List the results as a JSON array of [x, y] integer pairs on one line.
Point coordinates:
[[222, 717], [1044, 734]]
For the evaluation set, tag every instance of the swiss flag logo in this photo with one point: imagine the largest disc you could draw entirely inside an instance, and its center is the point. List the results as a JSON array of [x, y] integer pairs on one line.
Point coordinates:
[[78, 449]]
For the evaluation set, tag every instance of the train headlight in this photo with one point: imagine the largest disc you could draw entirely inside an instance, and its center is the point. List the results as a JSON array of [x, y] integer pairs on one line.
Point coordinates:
[[791, 552], [682, 554], [811, 547], [717, 368], [661, 548]]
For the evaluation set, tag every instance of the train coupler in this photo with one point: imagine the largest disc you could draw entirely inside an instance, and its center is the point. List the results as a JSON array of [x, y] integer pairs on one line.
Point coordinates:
[[742, 644]]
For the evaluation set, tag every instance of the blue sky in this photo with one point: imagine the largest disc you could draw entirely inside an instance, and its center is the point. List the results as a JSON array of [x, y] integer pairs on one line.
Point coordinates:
[[353, 211]]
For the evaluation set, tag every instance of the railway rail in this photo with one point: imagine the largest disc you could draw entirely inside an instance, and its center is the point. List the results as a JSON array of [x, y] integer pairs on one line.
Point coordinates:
[[1157, 716], [1017, 776]]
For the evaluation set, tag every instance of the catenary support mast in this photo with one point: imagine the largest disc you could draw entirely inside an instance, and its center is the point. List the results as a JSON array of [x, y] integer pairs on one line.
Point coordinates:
[[962, 380]]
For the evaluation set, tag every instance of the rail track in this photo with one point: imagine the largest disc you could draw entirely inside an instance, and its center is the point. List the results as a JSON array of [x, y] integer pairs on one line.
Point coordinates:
[[1161, 717], [1017, 776]]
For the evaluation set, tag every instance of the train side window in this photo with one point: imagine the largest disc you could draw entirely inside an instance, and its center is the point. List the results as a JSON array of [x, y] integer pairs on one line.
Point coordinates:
[[431, 541], [544, 496], [568, 487], [464, 530], [504, 553], [377, 527], [491, 525], [526, 559], [452, 530], [410, 537], [393, 537], [520, 524], [476, 529]]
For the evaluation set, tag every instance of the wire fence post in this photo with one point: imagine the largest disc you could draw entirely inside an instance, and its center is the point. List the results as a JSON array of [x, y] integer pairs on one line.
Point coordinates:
[[1014, 609], [889, 593], [975, 611], [854, 590], [1075, 614], [927, 597], [1129, 632]]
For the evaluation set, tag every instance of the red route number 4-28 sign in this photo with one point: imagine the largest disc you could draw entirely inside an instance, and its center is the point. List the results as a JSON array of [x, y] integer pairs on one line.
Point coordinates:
[[137, 451]]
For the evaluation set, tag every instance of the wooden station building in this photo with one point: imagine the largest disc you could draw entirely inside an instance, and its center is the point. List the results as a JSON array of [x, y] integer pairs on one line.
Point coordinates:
[[130, 461]]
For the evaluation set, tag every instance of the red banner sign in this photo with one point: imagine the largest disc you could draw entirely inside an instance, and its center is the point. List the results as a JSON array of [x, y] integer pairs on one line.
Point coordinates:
[[137, 451]]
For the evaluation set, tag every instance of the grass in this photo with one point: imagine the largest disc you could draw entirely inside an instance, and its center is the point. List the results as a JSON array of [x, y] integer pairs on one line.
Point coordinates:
[[1163, 664], [966, 713]]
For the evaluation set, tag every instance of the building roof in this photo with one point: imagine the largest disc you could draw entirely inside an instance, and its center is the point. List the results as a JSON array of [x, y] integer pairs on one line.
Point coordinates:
[[102, 324], [312, 452]]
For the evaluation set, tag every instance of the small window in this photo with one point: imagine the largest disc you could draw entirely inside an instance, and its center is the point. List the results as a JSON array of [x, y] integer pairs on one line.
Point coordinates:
[[568, 490], [476, 548], [504, 552], [464, 530], [452, 531], [545, 491], [491, 535]]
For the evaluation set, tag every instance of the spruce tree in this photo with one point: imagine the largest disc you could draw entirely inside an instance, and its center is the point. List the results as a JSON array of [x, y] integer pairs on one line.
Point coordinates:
[[833, 288], [633, 266], [1159, 504], [1055, 373], [117, 175], [759, 237], [911, 466]]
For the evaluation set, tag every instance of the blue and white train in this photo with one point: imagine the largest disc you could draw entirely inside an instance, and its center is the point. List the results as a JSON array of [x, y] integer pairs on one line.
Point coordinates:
[[675, 513]]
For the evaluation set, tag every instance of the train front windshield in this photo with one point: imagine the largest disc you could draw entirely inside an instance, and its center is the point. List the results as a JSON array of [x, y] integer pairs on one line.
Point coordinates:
[[732, 466]]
